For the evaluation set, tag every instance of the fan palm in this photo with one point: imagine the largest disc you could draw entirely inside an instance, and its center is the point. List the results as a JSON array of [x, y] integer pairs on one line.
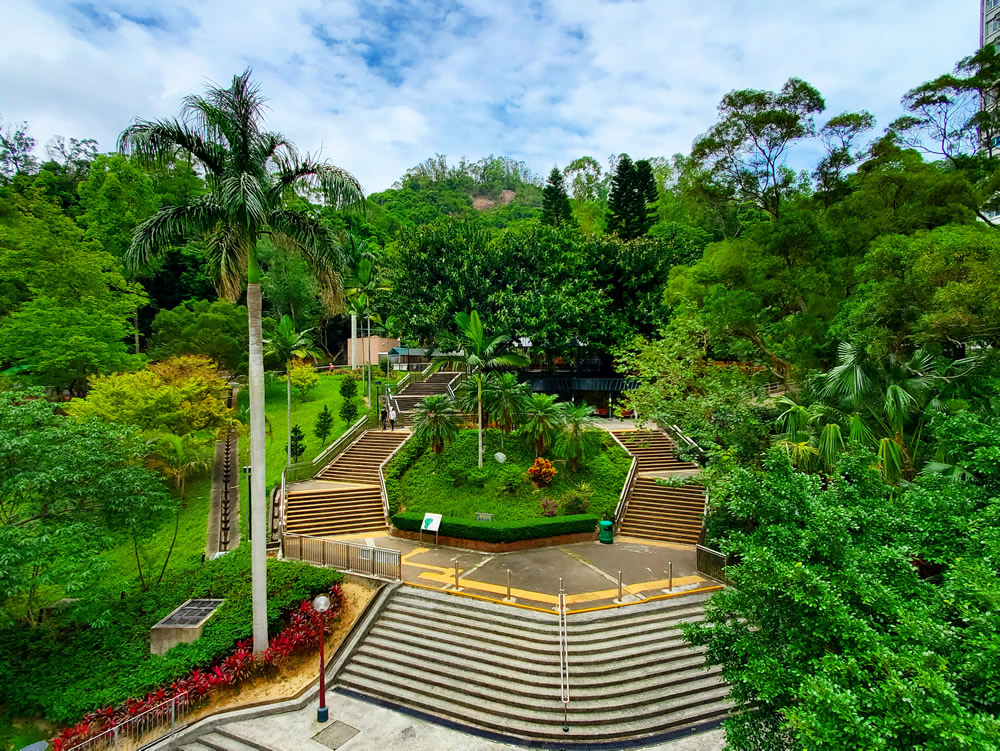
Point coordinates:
[[284, 343], [579, 438], [435, 419], [479, 353], [506, 401], [250, 172], [544, 416]]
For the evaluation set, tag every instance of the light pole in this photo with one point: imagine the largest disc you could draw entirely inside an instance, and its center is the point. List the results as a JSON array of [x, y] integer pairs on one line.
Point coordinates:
[[321, 604]]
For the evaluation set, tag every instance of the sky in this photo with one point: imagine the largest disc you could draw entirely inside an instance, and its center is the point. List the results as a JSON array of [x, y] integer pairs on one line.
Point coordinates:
[[377, 86]]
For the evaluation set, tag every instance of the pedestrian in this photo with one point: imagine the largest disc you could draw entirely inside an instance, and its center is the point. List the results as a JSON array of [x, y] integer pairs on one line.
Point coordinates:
[[331, 368], [384, 416], [392, 417]]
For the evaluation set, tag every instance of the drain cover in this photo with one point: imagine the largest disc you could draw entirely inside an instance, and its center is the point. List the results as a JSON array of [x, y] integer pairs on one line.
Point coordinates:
[[335, 735]]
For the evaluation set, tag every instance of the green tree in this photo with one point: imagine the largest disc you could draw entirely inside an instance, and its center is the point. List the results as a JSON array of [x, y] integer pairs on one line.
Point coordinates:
[[480, 352], [298, 442], [65, 488], [324, 424], [632, 203], [556, 210], [215, 329], [303, 378], [16, 151], [349, 407], [505, 401], [252, 172], [543, 418], [284, 343], [579, 438], [436, 420], [363, 285], [748, 146]]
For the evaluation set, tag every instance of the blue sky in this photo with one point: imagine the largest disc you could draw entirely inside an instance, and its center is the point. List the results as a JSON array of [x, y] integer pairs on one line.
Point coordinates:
[[379, 86]]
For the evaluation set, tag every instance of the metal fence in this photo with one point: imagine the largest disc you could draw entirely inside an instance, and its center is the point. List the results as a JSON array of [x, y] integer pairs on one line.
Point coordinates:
[[152, 725], [345, 556], [711, 563]]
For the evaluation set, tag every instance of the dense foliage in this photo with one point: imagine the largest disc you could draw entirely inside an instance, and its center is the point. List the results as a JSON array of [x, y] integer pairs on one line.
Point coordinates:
[[500, 531]]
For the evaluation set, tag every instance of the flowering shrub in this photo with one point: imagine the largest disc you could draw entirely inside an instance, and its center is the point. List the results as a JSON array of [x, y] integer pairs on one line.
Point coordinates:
[[549, 507], [302, 632], [542, 472]]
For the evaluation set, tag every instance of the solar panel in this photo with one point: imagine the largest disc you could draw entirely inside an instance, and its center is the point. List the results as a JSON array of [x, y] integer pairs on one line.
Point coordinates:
[[191, 613]]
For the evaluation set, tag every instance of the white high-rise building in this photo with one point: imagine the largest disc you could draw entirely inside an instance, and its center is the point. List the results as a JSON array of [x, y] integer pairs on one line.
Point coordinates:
[[989, 28]]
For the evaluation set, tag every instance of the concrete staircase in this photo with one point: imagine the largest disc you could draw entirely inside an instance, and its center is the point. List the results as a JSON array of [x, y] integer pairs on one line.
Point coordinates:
[[496, 668], [345, 498], [224, 739], [416, 392], [661, 513], [654, 511], [654, 450]]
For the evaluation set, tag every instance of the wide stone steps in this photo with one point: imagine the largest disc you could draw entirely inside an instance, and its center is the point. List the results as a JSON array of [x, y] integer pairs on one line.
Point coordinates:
[[496, 668], [654, 450], [658, 512], [224, 739]]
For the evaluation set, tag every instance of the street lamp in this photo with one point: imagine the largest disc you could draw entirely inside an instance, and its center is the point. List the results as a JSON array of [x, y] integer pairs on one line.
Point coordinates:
[[321, 604]]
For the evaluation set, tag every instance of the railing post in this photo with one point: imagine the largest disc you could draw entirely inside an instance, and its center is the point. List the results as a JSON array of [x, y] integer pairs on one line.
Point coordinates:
[[324, 552], [619, 586], [116, 738], [670, 574], [456, 575], [508, 584], [173, 713]]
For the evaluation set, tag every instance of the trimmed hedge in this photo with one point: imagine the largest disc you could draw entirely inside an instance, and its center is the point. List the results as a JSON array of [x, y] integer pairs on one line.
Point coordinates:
[[526, 529]]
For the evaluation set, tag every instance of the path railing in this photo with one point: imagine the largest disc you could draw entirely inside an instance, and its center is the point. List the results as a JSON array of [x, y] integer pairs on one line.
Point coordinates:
[[626, 494], [711, 563], [563, 658], [134, 733], [381, 479], [679, 437], [380, 563], [305, 470]]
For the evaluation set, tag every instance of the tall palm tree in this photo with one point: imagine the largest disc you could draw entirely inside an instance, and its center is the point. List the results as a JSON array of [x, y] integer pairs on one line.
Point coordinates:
[[250, 172], [361, 286], [579, 438], [284, 342], [544, 418], [506, 401], [436, 420], [479, 354]]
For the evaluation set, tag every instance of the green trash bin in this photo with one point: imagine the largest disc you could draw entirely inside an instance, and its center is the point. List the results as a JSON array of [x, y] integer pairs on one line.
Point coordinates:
[[607, 533]]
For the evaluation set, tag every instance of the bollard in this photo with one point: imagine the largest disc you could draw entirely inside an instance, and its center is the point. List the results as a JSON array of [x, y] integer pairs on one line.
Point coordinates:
[[619, 586], [670, 574], [508, 584], [456, 574]]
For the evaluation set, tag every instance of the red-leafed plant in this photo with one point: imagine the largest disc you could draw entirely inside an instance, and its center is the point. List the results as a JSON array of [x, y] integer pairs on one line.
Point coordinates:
[[301, 633], [542, 472]]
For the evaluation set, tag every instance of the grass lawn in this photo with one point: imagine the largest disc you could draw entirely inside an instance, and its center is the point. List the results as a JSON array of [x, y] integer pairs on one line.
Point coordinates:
[[430, 484]]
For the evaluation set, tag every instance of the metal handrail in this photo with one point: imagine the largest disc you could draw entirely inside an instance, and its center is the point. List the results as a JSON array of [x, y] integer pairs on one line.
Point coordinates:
[[381, 479], [563, 658], [142, 729], [676, 434], [626, 494], [381, 563], [283, 494], [332, 451]]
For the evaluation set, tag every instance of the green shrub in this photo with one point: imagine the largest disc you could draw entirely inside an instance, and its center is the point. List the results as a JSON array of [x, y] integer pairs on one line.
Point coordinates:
[[478, 477], [527, 529], [67, 667], [511, 478], [577, 500]]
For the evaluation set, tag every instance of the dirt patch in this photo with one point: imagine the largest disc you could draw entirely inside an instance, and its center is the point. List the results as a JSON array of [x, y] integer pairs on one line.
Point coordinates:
[[482, 203], [506, 196], [298, 672]]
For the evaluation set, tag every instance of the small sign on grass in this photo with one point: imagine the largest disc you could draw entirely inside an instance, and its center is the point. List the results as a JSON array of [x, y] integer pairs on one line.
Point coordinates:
[[481, 517]]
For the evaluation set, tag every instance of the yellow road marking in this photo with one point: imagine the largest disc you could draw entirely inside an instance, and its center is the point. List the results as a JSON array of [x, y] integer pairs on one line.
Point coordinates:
[[407, 562]]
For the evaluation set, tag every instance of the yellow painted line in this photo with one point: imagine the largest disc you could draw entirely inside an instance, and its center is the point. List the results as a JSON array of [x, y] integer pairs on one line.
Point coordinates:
[[662, 584], [416, 551], [655, 543], [648, 599], [521, 594]]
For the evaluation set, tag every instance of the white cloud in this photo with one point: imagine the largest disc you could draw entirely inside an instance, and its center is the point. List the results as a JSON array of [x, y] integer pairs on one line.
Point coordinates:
[[379, 85]]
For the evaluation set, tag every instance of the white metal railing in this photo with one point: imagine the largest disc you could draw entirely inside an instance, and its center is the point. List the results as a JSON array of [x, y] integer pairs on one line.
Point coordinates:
[[563, 657], [381, 479], [676, 434], [134, 733], [303, 470], [381, 563], [283, 494], [626, 494]]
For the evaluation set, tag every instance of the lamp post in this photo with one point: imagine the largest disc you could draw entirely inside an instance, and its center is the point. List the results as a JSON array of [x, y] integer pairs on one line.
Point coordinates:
[[321, 604]]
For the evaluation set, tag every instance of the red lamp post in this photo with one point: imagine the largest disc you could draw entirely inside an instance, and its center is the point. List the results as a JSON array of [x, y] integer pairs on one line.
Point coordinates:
[[321, 604]]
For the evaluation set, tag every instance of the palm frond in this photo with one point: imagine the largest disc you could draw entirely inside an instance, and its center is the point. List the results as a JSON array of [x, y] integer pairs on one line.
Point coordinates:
[[338, 187], [227, 254], [171, 225], [831, 444], [302, 233], [858, 433], [890, 460], [847, 379], [156, 141]]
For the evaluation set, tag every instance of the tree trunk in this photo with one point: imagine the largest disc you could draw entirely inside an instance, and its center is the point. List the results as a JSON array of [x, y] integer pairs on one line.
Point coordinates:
[[177, 524], [138, 563], [135, 323], [288, 395], [258, 549], [479, 384]]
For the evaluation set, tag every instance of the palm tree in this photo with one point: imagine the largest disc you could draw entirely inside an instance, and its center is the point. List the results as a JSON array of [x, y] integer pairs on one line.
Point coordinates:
[[285, 343], [435, 419], [579, 440], [362, 285], [479, 354], [178, 457], [250, 172], [506, 401], [544, 418]]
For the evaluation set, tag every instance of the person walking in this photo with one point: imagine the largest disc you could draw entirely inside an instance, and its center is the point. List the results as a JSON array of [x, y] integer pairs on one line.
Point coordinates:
[[392, 417], [383, 416]]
